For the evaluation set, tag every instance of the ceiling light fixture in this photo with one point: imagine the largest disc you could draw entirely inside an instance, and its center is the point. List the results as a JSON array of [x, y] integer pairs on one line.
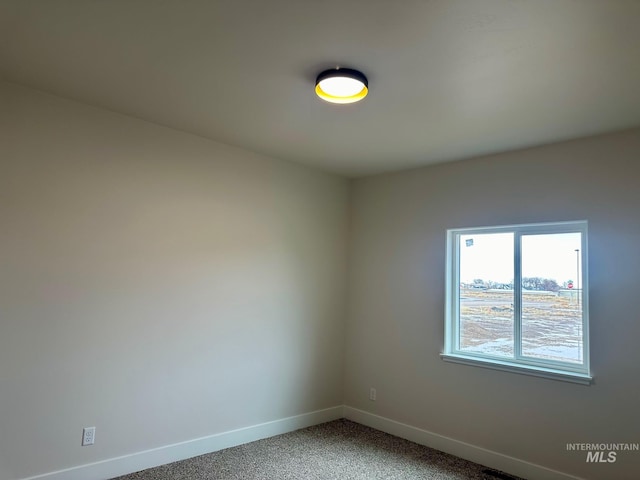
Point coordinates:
[[341, 85]]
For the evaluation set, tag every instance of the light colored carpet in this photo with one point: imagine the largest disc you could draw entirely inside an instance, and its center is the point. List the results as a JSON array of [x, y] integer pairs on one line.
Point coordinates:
[[340, 449]]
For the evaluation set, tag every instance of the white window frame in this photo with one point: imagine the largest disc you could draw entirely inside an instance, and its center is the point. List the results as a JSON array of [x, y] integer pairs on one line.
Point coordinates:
[[557, 370]]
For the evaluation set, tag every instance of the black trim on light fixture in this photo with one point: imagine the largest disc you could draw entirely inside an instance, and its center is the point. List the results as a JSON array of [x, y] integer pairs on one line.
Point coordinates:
[[343, 72]]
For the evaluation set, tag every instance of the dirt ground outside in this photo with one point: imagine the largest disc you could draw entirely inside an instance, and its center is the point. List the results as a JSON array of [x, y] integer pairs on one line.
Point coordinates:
[[551, 324]]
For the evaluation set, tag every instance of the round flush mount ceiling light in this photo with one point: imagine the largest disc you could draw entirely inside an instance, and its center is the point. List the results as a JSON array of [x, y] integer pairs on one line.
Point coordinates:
[[341, 85]]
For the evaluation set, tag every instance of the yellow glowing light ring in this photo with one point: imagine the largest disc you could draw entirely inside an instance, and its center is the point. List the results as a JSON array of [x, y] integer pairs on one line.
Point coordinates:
[[334, 99], [342, 72]]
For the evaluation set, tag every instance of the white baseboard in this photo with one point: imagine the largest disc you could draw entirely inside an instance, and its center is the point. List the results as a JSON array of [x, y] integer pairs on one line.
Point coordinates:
[[115, 467], [460, 449]]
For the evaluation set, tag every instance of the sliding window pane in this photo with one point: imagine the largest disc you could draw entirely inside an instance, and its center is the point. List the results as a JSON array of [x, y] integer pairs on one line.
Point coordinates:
[[486, 294], [552, 297]]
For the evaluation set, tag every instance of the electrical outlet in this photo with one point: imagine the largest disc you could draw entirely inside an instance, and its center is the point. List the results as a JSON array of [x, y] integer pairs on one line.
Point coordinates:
[[88, 436], [372, 394]]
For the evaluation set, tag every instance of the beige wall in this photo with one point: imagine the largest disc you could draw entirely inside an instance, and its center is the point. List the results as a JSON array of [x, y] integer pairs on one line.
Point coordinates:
[[157, 285], [395, 326]]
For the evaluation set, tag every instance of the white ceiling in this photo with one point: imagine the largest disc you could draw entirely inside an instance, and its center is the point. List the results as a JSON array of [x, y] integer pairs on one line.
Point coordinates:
[[449, 79]]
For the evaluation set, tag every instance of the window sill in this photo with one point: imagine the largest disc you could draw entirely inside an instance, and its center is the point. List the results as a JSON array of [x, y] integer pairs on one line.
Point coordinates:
[[506, 366]]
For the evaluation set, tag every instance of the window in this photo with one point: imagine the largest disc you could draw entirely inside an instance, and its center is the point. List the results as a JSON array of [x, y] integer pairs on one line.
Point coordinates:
[[517, 299]]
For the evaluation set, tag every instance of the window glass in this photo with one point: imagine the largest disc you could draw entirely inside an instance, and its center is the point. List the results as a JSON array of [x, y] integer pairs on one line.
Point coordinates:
[[486, 293], [551, 300]]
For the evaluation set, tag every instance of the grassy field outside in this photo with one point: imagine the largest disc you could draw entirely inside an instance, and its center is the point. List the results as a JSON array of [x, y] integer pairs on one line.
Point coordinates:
[[551, 324]]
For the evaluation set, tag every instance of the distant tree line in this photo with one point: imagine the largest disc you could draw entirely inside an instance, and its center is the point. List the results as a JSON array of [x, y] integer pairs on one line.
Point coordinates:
[[528, 283], [537, 283]]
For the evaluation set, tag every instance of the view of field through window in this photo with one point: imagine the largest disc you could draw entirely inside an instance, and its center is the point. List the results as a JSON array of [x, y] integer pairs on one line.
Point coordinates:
[[551, 302]]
